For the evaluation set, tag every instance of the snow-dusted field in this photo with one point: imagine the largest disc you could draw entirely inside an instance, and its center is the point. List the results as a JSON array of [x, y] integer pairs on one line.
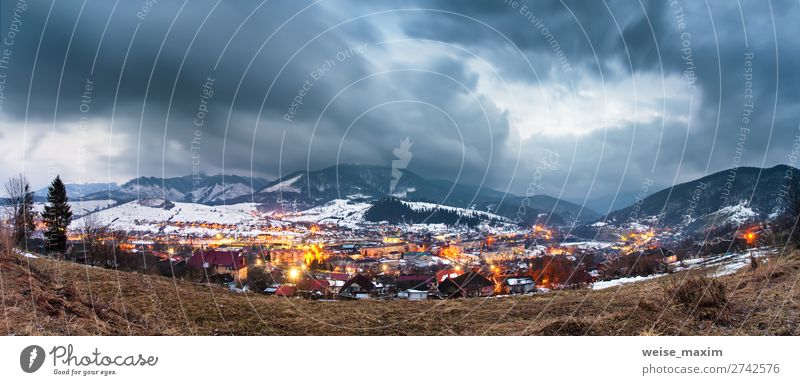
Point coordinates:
[[724, 264], [588, 244], [600, 285], [134, 216]]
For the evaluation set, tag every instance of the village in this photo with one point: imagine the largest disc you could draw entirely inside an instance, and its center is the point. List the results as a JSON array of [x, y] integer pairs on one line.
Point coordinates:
[[323, 261]]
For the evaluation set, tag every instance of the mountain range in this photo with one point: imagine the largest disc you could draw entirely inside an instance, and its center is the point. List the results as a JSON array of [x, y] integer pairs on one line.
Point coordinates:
[[719, 198], [734, 196]]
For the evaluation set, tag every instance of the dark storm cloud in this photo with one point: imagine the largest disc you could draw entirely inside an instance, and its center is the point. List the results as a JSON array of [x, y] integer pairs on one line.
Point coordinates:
[[361, 106], [651, 41]]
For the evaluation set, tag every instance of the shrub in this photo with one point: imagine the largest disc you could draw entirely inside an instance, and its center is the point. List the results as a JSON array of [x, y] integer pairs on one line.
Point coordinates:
[[699, 292], [6, 241]]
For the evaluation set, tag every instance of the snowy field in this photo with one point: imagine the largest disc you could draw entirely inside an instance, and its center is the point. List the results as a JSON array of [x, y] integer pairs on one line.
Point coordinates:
[[724, 264], [587, 245], [134, 216]]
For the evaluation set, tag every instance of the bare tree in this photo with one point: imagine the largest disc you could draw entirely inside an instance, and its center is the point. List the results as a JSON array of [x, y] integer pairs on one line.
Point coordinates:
[[91, 235], [19, 207]]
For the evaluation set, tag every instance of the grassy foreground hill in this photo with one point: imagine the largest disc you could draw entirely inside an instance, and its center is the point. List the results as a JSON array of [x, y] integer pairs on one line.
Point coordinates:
[[47, 297]]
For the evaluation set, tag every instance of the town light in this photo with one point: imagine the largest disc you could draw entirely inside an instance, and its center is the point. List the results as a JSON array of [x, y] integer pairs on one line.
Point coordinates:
[[750, 237], [294, 273]]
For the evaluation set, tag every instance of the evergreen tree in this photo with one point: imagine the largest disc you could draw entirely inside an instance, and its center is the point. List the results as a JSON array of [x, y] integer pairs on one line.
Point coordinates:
[[57, 216]]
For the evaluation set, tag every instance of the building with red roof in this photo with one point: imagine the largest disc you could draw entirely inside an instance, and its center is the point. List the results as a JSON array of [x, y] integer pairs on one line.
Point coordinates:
[[221, 262]]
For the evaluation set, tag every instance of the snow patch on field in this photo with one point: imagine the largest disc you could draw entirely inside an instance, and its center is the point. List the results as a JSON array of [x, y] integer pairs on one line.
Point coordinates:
[[600, 285], [26, 254], [721, 265]]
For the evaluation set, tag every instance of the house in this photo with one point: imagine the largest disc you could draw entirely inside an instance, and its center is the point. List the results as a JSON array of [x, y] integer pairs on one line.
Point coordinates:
[[413, 295], [313, 288], [414, 282], [357, 287], [221, 262], [659, 253], [383, 250], [519, 285], [172, 267], [466, 285]]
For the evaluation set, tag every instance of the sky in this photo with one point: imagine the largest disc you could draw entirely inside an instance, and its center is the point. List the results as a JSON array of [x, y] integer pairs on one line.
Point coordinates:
[[576, 99]]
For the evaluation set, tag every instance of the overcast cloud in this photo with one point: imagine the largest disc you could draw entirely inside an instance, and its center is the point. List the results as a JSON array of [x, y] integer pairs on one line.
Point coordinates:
[[623, 91]]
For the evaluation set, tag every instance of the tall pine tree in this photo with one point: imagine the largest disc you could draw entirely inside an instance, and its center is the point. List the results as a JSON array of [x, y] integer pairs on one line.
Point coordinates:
[[57, 216]]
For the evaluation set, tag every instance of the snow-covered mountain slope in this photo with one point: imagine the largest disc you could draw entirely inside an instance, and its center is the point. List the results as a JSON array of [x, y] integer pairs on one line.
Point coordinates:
[[287, 185], [219, 193], [352, 214], [397, 211], [216, 189], [736, 214], [303, 189], [340, 212], [425, 206], [719, 193]]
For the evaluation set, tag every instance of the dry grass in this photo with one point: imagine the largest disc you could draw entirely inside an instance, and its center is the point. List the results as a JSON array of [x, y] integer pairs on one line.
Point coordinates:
[[699, 294], [52, 297]]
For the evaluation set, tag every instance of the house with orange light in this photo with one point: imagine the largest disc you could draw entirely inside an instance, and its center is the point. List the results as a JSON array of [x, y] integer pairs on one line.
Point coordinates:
[[286, 257], [386, 250]]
